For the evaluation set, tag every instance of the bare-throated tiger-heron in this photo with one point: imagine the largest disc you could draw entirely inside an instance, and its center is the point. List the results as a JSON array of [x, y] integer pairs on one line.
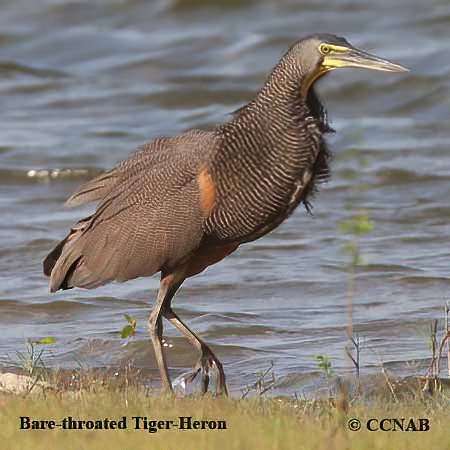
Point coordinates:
[[180, 204]]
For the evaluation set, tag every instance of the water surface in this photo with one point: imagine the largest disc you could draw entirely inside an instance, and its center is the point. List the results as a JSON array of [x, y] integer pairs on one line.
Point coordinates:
[[83, 83]]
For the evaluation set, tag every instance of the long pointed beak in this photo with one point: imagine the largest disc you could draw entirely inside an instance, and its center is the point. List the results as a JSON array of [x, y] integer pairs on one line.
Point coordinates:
[[359, 58]]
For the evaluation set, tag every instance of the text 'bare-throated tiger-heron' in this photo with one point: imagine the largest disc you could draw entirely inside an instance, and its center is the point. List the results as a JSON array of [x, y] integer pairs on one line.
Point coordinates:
[[178, 205]]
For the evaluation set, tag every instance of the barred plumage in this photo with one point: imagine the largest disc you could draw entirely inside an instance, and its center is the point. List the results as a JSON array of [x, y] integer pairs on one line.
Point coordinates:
[[178, 205]]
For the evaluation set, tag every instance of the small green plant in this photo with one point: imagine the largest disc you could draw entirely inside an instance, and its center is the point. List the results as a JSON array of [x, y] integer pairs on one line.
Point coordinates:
[[44, 341], [325, 366], [130, 329], [354, 228], [31, 358], [357, 226]]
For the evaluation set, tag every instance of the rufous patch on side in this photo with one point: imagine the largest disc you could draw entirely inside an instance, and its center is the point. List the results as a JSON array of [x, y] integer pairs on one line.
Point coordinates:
[[207, 191]]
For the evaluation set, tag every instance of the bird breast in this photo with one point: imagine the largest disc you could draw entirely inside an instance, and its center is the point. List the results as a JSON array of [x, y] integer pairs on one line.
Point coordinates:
[[254, 189]]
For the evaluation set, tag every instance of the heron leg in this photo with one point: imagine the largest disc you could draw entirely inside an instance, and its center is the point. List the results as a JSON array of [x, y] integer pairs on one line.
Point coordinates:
[[168, 287], [207, 358]]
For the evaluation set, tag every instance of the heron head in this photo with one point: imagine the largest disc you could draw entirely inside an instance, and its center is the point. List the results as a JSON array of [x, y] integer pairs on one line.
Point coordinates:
[[318, 54]]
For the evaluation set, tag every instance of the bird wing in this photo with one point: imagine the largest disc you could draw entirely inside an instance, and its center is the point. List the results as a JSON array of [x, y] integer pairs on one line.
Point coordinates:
[[150, 215], [95, 189], [144, 157]]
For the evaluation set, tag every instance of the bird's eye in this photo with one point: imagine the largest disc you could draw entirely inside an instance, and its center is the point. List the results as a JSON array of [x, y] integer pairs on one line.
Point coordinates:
[[325, 49]]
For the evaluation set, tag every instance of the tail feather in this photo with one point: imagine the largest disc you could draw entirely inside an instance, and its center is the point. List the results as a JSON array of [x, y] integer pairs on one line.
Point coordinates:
[[61, 262], [56, 282], [52, 257]]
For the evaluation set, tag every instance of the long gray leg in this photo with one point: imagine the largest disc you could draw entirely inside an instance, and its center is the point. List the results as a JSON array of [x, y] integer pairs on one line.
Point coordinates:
[[168, 287], [207, 357]]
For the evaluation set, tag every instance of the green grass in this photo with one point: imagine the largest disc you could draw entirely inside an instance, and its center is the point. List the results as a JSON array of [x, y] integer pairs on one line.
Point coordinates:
[[251, 423], [254, 423]]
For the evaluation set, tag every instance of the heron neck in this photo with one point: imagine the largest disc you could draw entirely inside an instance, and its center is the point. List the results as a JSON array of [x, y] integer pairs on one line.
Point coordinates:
[[277, 120]]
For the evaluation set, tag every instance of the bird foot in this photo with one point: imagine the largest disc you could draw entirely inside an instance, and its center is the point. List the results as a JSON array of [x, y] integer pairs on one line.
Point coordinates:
[[198, 379]]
